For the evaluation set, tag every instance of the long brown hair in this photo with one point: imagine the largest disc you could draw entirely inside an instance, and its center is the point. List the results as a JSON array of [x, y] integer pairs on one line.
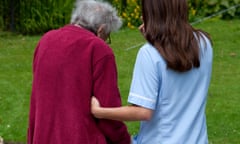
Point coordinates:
[[167, 28]]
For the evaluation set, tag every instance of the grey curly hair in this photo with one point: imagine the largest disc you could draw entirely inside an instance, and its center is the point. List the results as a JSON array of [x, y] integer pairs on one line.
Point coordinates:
[[92, 14]]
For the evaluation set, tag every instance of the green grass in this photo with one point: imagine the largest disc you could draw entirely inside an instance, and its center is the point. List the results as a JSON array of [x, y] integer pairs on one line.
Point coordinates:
[[15, 84], [223, 109]]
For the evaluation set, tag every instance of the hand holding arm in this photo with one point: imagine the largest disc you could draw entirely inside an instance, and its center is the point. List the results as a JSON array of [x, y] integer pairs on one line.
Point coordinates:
[[124, 113], [95, 106]]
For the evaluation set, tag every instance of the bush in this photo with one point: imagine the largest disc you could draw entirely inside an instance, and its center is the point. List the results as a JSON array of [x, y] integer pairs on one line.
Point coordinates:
[[34, 17], [130, 12], [38, 16], [43, 16], [1, 23], [203, 8]]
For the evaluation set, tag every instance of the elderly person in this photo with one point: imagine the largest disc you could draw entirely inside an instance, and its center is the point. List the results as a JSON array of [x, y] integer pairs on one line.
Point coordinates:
[[70, 65]]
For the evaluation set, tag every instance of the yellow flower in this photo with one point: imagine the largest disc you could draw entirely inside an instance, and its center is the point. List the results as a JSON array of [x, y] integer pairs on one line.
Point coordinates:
[[129, 24], [124, 14], [135, 10], [193, 12], [132, 27]]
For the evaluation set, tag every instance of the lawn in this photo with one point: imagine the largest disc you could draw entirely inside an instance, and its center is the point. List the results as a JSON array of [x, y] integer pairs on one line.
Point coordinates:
[[223, 109]]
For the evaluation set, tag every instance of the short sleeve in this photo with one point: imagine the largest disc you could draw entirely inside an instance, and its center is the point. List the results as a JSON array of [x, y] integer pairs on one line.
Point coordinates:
[[146, 80]]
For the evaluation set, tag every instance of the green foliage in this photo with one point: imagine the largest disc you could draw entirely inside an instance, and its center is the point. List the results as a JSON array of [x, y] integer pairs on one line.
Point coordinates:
[[44, 15], [129, 11], [1, 23], [35, 17], [1, 16], [38, 16], [203, 8]]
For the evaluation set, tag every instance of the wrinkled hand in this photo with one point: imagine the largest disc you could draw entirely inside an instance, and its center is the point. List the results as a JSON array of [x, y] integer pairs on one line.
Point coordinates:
[[95, 105]]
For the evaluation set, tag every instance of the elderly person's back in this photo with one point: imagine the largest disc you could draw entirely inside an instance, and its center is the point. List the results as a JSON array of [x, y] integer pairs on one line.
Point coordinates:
[[70, 65]]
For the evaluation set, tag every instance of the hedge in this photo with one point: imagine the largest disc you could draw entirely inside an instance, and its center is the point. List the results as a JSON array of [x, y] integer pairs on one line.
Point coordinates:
[[39, 16]]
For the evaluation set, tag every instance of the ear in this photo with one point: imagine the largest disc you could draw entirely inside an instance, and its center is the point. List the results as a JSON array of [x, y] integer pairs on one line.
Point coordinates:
[[101, 29], [101, 32]]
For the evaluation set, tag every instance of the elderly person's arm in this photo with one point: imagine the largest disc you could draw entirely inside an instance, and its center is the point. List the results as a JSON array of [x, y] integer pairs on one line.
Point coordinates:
[[106, 90]]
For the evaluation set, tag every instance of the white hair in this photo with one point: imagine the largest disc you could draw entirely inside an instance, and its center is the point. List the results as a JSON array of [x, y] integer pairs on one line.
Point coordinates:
[[91, 14]]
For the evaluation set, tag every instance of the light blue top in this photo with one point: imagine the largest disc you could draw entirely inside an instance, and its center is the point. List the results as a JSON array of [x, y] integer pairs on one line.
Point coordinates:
[[177, 99]]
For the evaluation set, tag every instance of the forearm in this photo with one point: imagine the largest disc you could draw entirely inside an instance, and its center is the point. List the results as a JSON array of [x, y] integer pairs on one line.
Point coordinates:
[[125, 113]]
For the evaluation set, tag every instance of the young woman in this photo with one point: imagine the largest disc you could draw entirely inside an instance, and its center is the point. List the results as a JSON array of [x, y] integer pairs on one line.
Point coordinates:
[[170, 80]]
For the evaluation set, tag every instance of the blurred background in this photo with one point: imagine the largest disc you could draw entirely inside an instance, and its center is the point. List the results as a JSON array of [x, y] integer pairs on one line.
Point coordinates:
[[39, 16]]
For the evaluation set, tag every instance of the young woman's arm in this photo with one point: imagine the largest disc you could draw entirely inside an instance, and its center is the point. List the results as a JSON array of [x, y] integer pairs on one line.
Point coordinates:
[[125, 113]]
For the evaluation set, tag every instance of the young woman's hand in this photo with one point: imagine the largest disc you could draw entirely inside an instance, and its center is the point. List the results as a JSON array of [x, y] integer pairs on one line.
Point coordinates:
[[124, 113], [95, 106]]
